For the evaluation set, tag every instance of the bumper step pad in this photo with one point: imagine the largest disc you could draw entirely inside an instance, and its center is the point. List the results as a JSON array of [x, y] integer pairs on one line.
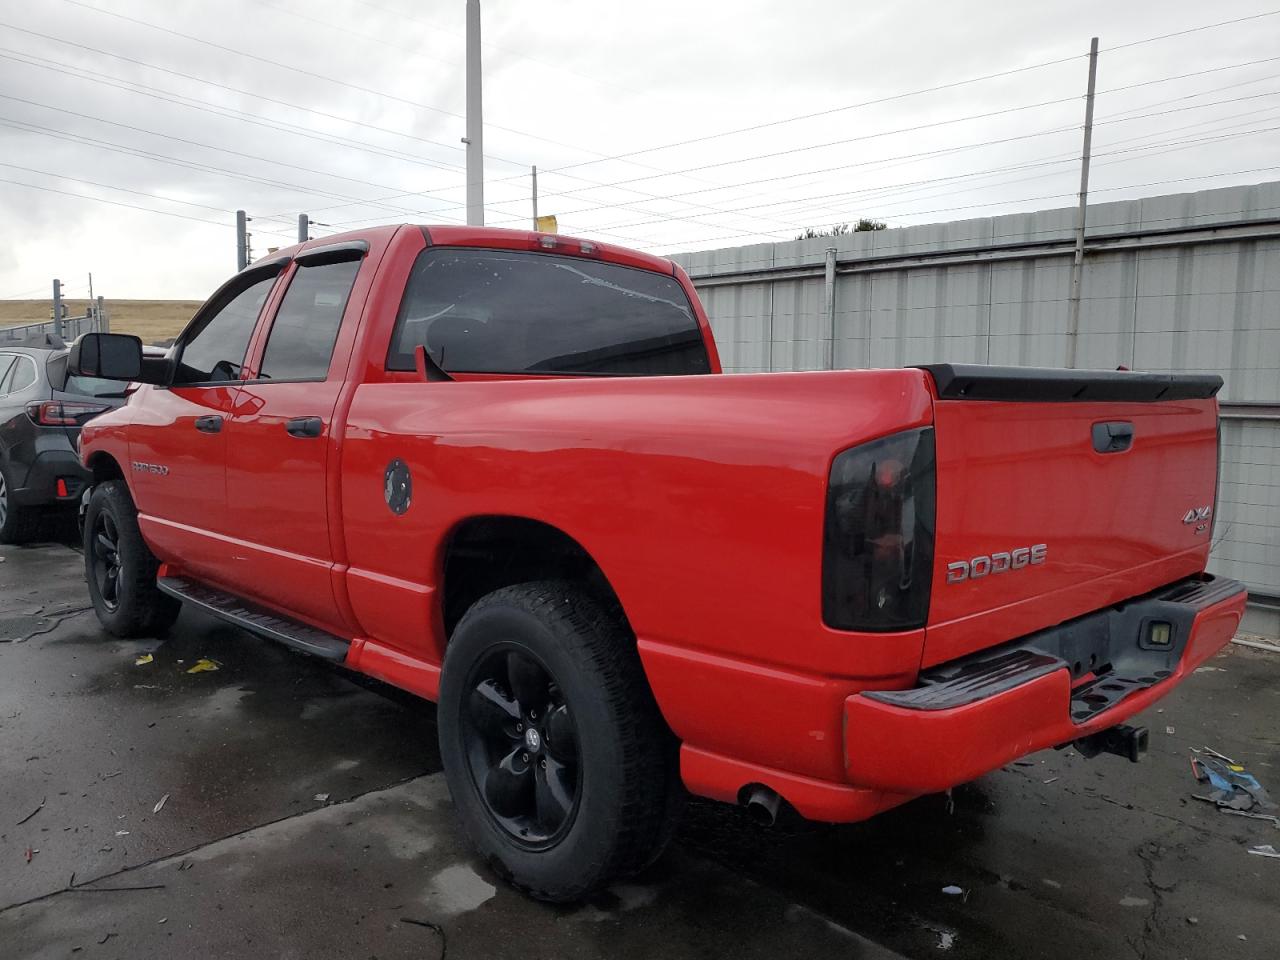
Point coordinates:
[[969, 681], [256, 619]]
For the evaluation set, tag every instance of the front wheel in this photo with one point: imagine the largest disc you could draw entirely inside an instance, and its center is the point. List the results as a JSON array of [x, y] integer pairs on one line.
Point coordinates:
[[120, 569], [556, 756]]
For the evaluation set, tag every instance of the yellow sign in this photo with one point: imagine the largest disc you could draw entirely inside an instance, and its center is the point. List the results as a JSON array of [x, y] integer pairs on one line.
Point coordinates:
[[547, 224]]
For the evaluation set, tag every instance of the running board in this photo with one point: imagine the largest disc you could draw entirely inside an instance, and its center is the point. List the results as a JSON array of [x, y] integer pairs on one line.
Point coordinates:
[[256, 619]]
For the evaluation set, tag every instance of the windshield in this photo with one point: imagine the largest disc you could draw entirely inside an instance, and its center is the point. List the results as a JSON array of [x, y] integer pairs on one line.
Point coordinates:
[[502, 311]]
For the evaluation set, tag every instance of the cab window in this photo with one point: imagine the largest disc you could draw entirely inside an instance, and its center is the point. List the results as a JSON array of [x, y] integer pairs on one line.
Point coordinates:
[[214, 353]]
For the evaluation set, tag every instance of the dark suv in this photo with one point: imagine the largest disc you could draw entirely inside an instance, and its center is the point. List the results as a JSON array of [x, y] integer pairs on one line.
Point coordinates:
[[41, 412]]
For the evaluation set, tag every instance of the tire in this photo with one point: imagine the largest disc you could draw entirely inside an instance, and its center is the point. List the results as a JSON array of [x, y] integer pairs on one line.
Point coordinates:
[[120, 569], [580, 811], [17, 523]]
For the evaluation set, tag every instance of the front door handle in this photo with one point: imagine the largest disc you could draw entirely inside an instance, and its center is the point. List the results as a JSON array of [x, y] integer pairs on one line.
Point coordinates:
[[210, 424], [304, 426]]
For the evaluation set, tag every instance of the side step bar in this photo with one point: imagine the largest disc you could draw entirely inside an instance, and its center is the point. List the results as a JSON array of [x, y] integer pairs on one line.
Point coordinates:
[[249, 616]]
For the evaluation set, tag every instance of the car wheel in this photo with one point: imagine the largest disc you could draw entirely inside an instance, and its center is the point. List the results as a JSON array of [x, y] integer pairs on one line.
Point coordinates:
[[17, 523], [557, 758], [120, 569]]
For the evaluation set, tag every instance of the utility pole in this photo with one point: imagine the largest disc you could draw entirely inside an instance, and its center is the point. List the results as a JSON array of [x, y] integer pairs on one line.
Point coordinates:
[[1077, 264], [829, 305], [475, 121], [104, 322], [304, 228], [535, 197], [57, 308], [242, 240], [89, 311]]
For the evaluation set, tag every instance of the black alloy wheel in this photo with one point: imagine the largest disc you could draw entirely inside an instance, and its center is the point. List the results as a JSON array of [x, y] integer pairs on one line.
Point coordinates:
[[104, 561], [558, 760], [522, 746]]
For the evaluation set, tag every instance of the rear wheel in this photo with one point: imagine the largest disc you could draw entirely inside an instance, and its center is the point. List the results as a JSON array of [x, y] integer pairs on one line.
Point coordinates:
[[120, 569], [557, 758], [17, 523]]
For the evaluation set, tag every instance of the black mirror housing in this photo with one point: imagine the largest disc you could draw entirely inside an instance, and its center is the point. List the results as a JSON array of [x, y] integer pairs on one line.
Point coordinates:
[[107, 356]]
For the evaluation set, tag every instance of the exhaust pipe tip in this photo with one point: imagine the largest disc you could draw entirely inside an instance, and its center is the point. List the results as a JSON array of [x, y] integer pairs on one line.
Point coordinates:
[[762, 804]]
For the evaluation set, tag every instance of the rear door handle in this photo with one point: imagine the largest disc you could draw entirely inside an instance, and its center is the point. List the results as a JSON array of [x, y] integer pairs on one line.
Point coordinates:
[[304, 426], [1112, 437], [210, 424]]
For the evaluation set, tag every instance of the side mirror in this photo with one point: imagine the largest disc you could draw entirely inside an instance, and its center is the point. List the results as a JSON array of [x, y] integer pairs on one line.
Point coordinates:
[[107, 356]]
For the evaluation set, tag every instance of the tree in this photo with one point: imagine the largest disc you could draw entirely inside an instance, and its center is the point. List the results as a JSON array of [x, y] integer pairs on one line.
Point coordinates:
[[840, 229]]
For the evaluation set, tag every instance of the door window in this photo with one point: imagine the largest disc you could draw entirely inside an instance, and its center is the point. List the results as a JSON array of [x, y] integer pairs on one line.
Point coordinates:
[[215, 352], [6, 364], [303, 333]]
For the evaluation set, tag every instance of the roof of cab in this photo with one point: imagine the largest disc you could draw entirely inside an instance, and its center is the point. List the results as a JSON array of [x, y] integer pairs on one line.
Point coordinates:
[[457, 235]]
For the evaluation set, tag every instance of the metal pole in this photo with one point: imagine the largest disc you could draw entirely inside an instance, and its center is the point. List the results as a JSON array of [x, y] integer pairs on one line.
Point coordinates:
[[475, 122], [1077, 264], [89, 308], [57, 308], [304, 228], [242, 240], [829, 305], [104, 322], [535, 197]]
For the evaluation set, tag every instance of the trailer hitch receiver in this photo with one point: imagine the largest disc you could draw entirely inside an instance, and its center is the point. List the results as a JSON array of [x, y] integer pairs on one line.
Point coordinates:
[[1122, 740]]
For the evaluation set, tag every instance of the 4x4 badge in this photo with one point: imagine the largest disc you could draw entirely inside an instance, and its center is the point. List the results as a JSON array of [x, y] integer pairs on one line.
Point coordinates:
[[1197, 514]]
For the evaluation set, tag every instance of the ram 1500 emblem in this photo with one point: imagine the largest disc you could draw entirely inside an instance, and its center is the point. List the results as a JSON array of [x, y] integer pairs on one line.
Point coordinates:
[[159, 469], [1001, 562]]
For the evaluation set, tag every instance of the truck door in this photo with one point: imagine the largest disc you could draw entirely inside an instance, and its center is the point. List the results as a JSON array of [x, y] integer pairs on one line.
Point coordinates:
[[177, 440], [279, 442]]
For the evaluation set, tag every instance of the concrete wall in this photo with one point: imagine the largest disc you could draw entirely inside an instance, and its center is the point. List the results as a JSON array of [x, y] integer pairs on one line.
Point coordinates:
[[1189, 282]]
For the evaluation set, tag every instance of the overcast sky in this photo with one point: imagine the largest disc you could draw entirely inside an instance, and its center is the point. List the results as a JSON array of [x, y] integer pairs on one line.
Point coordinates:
[[352, 110]]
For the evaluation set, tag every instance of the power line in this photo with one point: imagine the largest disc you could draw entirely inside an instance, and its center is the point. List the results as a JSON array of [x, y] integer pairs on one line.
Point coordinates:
[[120, 203], [900, 96]]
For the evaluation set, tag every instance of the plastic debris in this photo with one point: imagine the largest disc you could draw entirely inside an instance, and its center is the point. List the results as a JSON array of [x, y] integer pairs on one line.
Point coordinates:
[[1266, 850], [1168, 731], [203, 665], [30, 853], [1193, 920], [1051, 780], [143, 660], [953, 891], [122, 833], [160, 804], [1233, 787], [321, 798]]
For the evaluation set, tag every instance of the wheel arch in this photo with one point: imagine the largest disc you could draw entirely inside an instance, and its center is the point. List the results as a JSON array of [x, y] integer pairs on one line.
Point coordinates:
[[105, 467], [486, 552]]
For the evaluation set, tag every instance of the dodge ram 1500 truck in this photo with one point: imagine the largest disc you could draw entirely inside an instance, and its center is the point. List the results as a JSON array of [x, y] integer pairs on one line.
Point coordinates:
[[502, 470]]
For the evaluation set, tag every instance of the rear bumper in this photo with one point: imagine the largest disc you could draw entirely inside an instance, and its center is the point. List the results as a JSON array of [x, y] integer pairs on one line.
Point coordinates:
[[52, 463], [976, 715]]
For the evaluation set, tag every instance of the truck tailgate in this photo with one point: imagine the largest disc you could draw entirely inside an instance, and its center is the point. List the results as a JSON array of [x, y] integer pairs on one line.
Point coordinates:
[[1062, 492]]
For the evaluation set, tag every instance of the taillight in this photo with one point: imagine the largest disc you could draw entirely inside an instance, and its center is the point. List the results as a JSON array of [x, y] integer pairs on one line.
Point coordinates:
[[63, 413], [877, 550]]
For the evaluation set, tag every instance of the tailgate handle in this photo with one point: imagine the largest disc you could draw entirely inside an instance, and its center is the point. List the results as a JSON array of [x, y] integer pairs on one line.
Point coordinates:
[[1112, 437]]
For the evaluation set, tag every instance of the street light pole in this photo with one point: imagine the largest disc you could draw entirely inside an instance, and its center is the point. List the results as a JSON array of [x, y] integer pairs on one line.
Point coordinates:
[[475, 121]]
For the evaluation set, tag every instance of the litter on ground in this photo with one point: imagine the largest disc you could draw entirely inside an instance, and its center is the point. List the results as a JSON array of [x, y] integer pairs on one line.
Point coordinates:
[[1233, 787], [1266, 850], [160, 804], [143, 660], [203, 665]]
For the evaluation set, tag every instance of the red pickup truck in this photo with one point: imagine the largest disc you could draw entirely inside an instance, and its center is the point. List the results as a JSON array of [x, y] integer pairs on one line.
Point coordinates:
[[502, 470]]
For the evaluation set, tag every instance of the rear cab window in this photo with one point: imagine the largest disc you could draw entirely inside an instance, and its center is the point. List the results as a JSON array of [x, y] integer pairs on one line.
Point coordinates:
[[518, 312]]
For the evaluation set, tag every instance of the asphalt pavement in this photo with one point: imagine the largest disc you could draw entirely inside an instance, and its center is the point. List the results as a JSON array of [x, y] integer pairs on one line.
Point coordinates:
[[304, 815]]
